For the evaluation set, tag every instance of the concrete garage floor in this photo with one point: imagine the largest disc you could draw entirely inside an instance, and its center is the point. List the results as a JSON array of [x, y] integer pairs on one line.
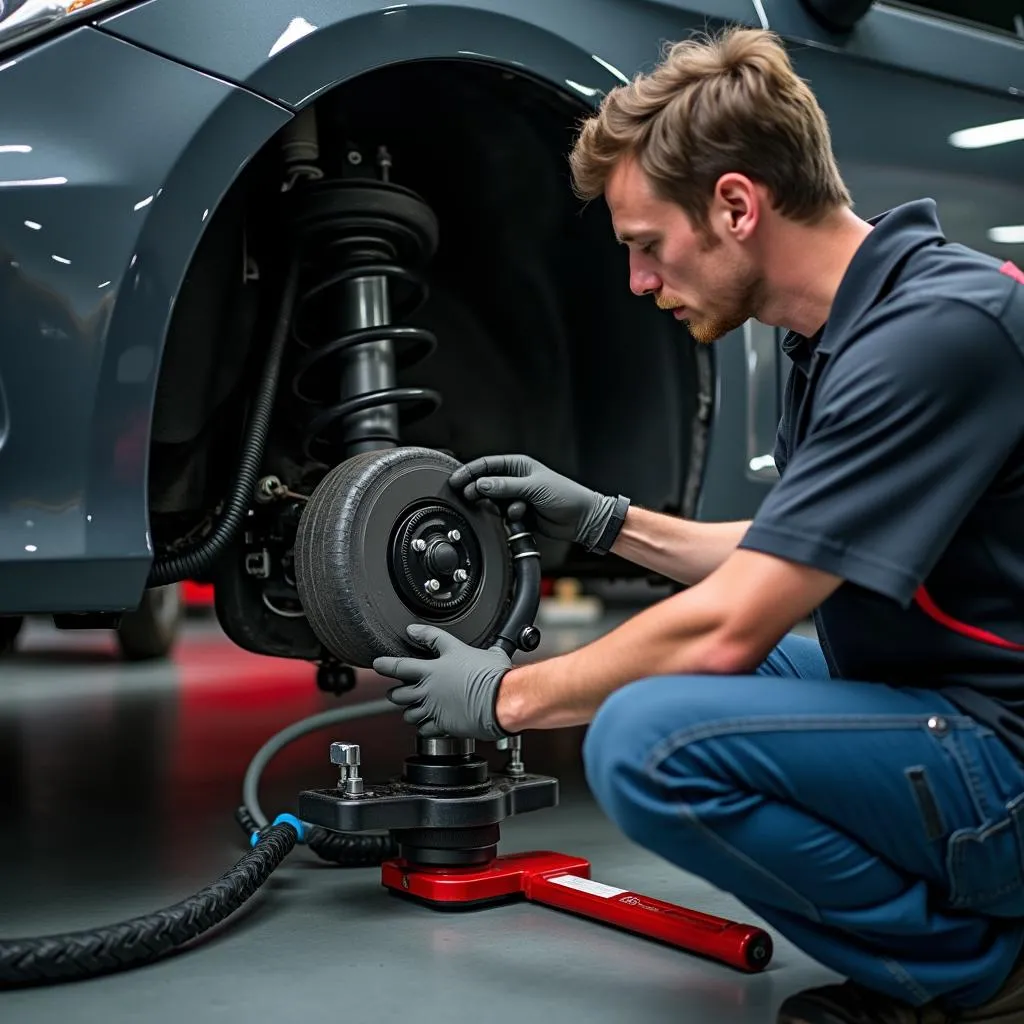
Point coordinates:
[[117, 788]]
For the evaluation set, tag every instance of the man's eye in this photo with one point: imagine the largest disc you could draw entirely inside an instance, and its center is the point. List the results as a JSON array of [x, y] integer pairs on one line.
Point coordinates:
[[647, 249]]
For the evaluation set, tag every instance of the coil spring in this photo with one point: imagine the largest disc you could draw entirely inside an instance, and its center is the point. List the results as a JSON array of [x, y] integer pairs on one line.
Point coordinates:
[[364, 244]]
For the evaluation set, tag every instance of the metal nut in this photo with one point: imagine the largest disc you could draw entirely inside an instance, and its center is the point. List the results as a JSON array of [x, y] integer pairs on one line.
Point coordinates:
[[419, 544], [432, 585], [461, 575], [345, 753], [454, 535]]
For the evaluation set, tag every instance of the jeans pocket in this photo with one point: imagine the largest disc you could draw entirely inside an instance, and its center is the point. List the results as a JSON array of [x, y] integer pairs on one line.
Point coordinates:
[[986, 865]]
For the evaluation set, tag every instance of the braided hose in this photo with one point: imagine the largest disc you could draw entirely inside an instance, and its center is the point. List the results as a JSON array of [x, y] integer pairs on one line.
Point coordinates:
[[144, 939], [351, 851]]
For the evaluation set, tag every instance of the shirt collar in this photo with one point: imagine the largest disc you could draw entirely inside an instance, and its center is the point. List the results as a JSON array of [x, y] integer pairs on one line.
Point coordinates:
[[897, 233]]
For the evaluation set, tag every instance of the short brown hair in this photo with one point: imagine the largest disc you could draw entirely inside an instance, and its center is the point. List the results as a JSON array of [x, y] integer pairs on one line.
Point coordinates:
[[716, 104]]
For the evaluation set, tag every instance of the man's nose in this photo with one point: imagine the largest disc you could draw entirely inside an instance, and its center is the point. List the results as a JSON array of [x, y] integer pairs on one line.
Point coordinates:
[[642, 281]]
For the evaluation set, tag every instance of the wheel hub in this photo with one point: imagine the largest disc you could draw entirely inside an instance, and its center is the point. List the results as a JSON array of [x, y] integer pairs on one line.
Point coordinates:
[[434, 559]]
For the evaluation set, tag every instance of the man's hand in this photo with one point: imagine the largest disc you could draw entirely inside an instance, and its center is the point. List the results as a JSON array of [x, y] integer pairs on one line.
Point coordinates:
[[563, 509], [453, 694]]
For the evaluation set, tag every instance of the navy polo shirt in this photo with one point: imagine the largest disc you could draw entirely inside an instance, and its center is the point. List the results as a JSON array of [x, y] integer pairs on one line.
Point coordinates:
[[901, 454]]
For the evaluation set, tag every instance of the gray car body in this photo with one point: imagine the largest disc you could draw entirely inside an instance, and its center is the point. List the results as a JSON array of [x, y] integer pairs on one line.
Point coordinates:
[[119, 136]]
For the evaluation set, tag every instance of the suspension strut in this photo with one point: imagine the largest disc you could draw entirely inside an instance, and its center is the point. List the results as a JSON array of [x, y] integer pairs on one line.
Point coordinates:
[[363, 242]]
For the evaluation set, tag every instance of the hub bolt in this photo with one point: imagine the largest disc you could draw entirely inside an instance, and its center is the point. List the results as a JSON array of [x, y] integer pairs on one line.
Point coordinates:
[[432, 585], [454, 535], [461, 575], [419, 544]]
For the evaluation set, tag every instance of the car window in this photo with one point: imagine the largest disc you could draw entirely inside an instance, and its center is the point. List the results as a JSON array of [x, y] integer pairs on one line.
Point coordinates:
[[1003, 15]]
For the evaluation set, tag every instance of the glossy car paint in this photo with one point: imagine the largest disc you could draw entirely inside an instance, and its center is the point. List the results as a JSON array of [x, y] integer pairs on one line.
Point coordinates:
[[292, 50], [78, 369], [110, 158]]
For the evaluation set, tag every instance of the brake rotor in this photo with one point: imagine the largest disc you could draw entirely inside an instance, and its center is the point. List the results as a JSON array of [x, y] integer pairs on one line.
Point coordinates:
[[385, 542]]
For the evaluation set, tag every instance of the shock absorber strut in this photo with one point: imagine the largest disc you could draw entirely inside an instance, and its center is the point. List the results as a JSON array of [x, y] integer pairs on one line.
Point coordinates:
[[364, 242]]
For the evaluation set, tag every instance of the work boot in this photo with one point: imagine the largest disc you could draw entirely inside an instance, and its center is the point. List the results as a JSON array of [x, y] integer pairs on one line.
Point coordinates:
[[851, 1003]]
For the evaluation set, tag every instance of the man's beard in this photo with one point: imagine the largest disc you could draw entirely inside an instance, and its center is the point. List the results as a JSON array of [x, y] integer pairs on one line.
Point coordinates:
[[706, 330]]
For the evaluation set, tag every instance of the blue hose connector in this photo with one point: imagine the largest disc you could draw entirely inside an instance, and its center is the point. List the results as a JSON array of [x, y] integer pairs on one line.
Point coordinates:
[[284, 819]]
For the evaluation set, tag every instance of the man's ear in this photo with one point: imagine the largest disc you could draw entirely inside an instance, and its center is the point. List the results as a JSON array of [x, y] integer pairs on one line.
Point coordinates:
[[736, 205]]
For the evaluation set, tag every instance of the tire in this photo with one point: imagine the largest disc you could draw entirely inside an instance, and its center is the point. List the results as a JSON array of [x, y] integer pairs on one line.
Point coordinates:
[[10, 627], [150, 630], [355, 599]]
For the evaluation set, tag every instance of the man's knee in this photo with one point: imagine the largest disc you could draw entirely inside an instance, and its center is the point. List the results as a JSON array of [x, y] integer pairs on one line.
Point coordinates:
[[615, 749], [620, 751]]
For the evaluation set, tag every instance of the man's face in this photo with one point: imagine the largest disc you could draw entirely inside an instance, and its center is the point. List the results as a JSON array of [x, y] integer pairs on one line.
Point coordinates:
[[705, 279]]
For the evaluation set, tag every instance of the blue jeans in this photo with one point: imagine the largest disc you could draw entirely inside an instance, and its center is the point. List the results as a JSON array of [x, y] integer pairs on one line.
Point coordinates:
[[878, 829]]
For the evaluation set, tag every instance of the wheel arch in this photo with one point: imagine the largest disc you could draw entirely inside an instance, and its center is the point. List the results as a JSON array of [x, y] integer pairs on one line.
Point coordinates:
[[318, 62], [292, 53]]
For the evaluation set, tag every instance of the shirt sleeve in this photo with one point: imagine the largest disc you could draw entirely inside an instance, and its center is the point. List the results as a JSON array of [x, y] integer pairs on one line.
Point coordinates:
[[910, 424]]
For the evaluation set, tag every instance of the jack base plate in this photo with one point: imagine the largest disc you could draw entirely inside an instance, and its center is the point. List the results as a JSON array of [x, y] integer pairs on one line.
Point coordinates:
[[399, 805]]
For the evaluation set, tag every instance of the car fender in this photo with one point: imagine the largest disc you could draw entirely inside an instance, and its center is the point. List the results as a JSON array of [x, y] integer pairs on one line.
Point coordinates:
[[291, 51], [103, 199]]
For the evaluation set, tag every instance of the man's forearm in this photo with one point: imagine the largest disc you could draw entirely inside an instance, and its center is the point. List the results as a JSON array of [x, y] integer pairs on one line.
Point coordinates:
[[681, 549], [682, 634]]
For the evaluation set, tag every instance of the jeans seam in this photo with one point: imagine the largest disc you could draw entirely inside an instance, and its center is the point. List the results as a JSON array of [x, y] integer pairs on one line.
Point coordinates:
[[1015, 810], [782, 723], [970, 773], [903, 977], [686, 813]]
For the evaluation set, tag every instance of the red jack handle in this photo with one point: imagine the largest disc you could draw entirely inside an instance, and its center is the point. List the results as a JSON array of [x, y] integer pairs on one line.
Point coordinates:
[[743, 946], [564, 882]]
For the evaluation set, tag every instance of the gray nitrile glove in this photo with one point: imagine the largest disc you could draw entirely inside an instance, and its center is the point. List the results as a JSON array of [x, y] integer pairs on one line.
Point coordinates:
[[563, 509], [453, 694]]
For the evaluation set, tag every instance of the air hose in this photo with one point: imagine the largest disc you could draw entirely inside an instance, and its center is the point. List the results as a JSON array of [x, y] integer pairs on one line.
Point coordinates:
[[140, 940], [341, 848], [193, 562]]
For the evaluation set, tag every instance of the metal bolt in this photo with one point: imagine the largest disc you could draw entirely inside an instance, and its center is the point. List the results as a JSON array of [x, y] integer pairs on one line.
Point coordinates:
[[419, 544], [267, 489], [346, 757], [355, 157], [461, 575], [432, 585], [514, 746], [345, 753], [529, 638], [454, 535]]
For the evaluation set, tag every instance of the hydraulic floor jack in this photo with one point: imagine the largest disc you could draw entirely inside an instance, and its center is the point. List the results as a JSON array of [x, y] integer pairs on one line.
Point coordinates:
[[445, 812]]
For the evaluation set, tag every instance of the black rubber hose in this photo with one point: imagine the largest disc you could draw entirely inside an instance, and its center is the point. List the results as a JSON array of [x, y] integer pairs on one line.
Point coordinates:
[[194, 562], [351, 850], [142, 940]]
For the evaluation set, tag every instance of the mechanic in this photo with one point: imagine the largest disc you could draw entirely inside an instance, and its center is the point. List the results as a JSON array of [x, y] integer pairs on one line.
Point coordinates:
[[863, 795]]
